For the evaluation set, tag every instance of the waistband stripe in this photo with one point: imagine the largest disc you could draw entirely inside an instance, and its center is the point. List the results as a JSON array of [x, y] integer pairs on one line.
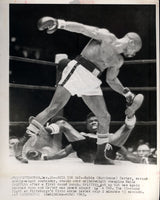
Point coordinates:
[[88, 65]]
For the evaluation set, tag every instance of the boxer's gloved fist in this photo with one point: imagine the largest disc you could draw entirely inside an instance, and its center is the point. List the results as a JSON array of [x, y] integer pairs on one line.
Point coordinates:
[[53, 129], [33, 155], [108, 147], [128, 95], [49, 24]]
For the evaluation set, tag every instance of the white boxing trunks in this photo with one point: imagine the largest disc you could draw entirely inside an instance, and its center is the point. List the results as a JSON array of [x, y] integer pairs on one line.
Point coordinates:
[[80, 81]]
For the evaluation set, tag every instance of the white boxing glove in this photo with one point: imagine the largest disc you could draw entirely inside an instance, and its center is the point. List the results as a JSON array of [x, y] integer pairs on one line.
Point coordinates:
[[53, 129]]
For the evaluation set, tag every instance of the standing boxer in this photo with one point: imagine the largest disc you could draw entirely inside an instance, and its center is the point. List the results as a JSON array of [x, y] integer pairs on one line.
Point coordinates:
[[80, 76]]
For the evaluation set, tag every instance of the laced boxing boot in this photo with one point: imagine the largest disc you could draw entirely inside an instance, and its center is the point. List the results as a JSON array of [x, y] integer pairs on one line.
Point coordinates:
[[134, 102]]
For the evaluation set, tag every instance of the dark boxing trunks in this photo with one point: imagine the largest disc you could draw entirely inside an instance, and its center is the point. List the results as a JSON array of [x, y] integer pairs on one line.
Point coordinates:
[[86, 149], [112, 152]]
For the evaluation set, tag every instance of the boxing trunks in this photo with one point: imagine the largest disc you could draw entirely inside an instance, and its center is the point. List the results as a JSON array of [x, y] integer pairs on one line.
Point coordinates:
[[86, 149], [80, 77]]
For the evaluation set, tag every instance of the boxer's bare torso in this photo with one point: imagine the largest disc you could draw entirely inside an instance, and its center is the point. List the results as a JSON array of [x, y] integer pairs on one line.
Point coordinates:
[[101, 49], [102, 54]]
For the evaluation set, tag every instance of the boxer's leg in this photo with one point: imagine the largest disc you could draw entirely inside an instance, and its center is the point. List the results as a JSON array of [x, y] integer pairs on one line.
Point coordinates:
[[59, 100], [98, 107]]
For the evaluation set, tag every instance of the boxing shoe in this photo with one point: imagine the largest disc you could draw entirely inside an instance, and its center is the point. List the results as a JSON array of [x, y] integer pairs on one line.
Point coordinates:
[[134, 106], [101, 158]]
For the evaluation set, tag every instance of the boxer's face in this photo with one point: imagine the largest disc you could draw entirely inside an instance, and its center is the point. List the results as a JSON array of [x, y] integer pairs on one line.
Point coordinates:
[[132, 47], [130, 50], [129, 53], [92, 124], [12, 142]]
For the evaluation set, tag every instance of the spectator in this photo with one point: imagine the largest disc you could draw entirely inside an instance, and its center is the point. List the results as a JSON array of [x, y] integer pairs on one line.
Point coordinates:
[[144, 151], [12, 141]]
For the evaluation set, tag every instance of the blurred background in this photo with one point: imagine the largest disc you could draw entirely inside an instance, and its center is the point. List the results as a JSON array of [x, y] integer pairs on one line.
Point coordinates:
[[27, 42]]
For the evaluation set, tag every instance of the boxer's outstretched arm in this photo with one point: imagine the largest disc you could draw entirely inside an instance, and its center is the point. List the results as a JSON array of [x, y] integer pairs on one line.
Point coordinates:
[[90, 31], [51, 24], [61, 154]]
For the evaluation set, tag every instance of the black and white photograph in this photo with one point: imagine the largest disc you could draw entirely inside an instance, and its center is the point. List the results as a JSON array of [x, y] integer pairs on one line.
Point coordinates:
[[83, 100]]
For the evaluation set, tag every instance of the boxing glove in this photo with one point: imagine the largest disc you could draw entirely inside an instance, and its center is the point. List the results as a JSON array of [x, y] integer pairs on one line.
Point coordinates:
[[49, 24], [128, 95], [53, 129]]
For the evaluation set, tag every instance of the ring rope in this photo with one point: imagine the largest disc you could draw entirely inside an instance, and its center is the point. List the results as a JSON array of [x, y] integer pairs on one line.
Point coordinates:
[[29, 60], [43, 62], [32, 87], [146, 61], [18, 123], [37, 87]]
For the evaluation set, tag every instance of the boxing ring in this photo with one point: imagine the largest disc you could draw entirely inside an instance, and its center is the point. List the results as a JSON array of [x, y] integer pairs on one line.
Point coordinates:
[[73, 159]]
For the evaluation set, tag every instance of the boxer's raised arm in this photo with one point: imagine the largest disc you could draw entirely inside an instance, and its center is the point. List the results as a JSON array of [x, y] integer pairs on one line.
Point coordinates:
[[52, 24], [89, 31]]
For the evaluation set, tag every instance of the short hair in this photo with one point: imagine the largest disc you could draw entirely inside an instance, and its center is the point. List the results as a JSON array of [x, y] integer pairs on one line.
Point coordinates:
[[144, 144], [57, 118], [91, 114], [136, 38]]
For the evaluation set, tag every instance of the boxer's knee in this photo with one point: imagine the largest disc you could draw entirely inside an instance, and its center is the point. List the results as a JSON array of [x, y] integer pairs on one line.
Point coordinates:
[[104, 118]]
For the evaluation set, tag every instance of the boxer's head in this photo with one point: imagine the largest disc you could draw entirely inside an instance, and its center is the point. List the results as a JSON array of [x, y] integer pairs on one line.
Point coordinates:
[[92, 123], [134, 44]]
